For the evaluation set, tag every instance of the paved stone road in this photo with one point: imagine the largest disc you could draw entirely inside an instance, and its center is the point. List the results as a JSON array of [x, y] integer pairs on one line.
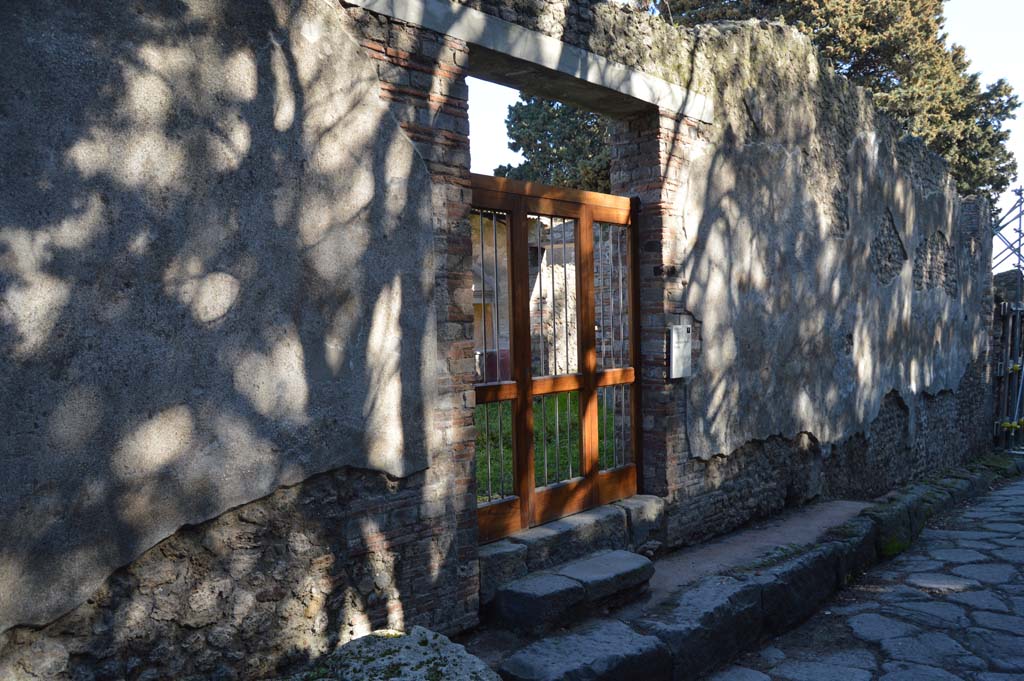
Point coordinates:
[[950, 608]]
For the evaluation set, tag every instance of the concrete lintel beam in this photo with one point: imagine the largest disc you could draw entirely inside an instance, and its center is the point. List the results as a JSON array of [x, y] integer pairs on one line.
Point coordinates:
[[522, 45]]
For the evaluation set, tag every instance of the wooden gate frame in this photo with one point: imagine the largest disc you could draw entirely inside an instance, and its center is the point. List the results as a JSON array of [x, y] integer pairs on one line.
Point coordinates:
[[532, 506]]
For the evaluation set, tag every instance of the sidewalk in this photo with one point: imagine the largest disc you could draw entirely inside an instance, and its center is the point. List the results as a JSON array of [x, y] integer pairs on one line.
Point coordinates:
[[709, 604], [951, 608]]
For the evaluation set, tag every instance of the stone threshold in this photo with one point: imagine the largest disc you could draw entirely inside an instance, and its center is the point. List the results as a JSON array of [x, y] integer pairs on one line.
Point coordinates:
[[549, 598], [706, 623], [636, 524]]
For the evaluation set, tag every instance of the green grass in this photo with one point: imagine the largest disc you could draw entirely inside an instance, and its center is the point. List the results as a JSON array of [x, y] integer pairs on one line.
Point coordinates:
[[561, 445], [491, 439]]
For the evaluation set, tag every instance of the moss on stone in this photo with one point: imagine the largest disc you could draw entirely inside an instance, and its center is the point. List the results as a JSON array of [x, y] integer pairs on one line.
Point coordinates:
[[1000, 463], [893, 546]]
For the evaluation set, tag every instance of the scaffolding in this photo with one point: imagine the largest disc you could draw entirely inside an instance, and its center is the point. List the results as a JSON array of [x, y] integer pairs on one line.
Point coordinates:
[[1009, 355], [1013, 216]]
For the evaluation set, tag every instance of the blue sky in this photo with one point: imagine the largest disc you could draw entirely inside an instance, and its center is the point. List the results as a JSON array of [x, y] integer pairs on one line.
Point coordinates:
[[992, 31]]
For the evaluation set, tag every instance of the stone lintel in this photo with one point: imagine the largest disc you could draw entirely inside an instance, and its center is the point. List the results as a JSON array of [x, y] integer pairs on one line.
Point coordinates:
[[515, 56]]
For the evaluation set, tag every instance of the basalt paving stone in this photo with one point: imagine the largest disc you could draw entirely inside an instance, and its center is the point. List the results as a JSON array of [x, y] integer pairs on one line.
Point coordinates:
[[989, 573], [1010, 554], [800, 670], [936, 581], [986, 509], [932, 614], [957, 555], [918, 565], [856, 608], [873, 627], [1011, 528], [902, 592], [931, 648], [860, 658], [735, 673], [1008, 541], [1003, 652], [985, 600], [1008, 623], [955, 535], [771, 655], [902, 671]]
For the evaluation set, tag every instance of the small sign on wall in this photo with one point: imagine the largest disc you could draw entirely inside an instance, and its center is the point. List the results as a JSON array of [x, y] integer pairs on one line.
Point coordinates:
[[680, 351]]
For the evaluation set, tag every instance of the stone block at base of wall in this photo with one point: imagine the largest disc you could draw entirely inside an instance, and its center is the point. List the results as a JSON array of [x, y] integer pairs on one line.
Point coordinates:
[[416, 655]]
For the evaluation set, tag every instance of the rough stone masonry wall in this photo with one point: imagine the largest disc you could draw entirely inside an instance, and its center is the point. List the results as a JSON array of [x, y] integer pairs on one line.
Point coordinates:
[[307, 87]]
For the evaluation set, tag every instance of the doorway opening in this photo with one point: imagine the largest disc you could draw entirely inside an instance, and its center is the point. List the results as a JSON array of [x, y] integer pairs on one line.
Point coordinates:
[[555, 313], [555, 317]]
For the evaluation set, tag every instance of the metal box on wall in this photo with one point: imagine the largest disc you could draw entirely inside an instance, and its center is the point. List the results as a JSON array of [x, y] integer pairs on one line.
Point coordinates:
[[680, 351]]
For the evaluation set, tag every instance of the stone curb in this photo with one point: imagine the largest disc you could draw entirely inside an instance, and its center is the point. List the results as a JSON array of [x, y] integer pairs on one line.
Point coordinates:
[[714, 619]]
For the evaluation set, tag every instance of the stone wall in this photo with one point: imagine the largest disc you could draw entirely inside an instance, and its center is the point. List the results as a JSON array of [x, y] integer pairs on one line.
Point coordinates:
[[236, 280], [835, 281]]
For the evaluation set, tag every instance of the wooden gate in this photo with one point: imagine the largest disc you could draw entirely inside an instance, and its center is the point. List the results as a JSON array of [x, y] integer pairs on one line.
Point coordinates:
[[555, 316]]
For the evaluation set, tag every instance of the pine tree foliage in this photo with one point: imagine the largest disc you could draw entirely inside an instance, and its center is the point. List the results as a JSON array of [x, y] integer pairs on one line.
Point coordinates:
[[898, 50], [563, 146]]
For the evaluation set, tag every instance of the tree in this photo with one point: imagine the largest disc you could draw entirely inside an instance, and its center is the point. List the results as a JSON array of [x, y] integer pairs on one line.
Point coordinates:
[[895, 48], [563, 146], [898, 50]]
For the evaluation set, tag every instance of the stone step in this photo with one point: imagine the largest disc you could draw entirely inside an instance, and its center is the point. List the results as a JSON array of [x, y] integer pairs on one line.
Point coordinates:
[[600, 650], [571, 590], [636, 523]]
